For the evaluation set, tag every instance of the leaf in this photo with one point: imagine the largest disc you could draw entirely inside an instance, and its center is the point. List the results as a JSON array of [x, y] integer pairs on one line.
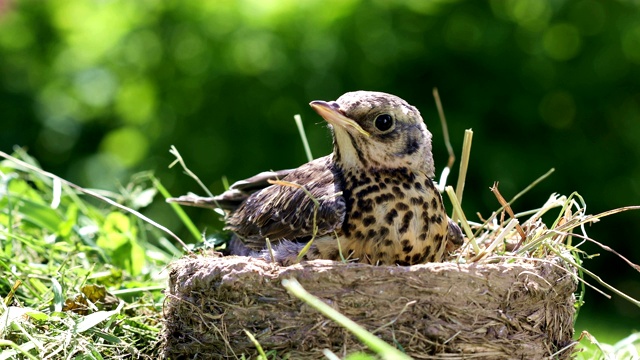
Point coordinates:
[[78, 305], [65, 227], [37, 315], [94, 293], [99, 295], [58, 297], [119, 239], [39, 215], [15, 313], [96, 318], [116, 223], [20, 189]]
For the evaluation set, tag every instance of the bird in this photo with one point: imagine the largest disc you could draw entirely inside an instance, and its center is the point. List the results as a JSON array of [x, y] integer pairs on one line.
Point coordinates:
[[372, 200]]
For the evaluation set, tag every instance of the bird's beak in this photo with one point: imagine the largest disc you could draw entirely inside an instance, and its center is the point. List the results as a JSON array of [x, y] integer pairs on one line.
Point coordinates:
[[334, 117]]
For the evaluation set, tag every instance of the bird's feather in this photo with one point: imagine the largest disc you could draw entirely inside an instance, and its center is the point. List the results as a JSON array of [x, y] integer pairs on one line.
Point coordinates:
[[286, 210], [238, 192], [258, 209]]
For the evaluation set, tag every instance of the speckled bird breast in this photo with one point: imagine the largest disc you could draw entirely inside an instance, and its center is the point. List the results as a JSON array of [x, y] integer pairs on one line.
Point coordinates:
[[393, 217]]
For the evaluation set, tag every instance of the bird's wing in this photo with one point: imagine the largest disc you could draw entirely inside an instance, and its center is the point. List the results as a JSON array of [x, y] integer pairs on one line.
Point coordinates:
[[260, 181], [238, 192], [287, 210]]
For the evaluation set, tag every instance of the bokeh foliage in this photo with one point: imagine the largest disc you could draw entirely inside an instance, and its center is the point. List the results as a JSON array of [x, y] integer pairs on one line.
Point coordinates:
[[100, 89]]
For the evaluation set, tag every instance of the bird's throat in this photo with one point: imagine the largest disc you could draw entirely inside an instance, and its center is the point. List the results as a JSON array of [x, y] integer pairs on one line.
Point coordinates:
[[348, 154]]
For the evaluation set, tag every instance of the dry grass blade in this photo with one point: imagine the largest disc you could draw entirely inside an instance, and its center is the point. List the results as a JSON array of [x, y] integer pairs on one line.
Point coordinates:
[[516, 197], [595, 277], [464, 164], [635, 266], [498, 240], [544, 242], [507, 207], [187, 171], [457, 211], [178, 210], [445, 129], [316, 205]]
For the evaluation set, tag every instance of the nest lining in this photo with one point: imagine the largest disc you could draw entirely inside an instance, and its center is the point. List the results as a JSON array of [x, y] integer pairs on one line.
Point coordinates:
[[521, 309]]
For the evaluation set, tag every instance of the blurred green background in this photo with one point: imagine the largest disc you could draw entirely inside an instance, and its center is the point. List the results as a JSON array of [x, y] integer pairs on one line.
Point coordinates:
[[98, 90]]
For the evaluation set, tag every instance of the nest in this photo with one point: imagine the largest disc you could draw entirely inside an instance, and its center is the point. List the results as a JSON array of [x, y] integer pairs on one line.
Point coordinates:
[[492, 309]]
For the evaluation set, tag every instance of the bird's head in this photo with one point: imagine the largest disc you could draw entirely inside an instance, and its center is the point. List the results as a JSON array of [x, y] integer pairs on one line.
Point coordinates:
[[377, 130]]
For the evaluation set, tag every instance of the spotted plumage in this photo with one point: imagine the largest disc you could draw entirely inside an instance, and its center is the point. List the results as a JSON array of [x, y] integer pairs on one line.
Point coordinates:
[[372, 200]]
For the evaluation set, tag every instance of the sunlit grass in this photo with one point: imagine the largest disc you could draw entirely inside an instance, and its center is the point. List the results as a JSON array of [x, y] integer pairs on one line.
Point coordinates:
[[593, 349], [78, 278]]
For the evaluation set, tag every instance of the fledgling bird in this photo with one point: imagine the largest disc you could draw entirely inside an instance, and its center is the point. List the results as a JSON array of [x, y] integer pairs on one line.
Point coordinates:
[[371, 200]]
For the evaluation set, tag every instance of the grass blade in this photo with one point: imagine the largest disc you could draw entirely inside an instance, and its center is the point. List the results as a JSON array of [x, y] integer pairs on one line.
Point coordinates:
[[383, 349]]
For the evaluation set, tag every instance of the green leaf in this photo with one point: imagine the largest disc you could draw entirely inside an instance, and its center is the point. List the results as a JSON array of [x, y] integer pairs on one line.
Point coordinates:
[[96, 318], [360, 356], [37, 315], [119, 240], [58, 297], [108, 337], [19, 188], [38, 214], [65, 227]]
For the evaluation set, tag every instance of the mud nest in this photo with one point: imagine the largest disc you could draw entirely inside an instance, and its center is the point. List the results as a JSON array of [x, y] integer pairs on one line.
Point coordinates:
[[517, 309]]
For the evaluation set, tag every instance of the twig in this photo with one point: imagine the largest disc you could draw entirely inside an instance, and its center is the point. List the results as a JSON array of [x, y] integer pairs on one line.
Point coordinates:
[[604, 247], [180, 160], [507, 207], [445, 129]]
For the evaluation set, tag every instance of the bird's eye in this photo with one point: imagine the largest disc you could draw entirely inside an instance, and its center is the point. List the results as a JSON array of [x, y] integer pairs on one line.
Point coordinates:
[[383, 122]]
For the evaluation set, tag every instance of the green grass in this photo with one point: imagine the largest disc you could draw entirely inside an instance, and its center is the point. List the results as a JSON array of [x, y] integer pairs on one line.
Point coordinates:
[[82, 278]]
